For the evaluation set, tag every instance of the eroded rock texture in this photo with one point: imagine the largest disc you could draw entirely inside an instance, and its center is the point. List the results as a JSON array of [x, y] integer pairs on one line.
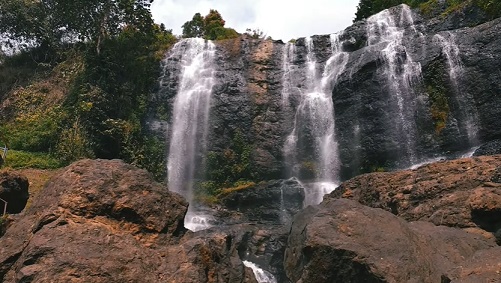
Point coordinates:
[[106, 221]]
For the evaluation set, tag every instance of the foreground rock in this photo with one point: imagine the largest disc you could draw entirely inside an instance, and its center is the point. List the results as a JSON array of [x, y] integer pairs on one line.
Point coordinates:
[[344, 241], [464, 193], [13, 190], [106, 221]]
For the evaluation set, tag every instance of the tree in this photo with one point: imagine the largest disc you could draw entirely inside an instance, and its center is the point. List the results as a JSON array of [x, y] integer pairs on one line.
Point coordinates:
[[364, 10], [51, 22], [210, 27], [214, 25], [195, 27]]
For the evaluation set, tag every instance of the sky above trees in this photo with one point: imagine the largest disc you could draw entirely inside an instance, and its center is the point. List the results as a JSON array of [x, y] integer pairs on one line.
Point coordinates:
[[280, 19]]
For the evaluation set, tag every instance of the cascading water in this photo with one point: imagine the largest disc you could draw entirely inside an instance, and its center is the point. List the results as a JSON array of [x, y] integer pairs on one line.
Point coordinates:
[[195, 58], [385, 32], [262, 276], [469, 116], [312, 142]]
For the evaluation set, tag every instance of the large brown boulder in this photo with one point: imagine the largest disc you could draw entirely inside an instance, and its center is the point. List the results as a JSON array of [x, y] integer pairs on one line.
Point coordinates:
[[106, 221], [464, 193], [13, 190], [343, 241]]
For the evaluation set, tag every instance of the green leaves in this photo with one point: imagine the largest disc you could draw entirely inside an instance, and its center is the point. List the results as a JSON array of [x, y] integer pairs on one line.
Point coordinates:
[[52, 22], [195, 27], [210, 27]]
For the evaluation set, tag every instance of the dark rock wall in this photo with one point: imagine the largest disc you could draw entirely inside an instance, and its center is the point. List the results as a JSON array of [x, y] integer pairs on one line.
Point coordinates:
[[247, 96]]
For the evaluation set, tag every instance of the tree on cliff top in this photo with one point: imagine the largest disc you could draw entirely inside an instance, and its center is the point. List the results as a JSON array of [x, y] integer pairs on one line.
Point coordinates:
[[195, 27], [210, 27]]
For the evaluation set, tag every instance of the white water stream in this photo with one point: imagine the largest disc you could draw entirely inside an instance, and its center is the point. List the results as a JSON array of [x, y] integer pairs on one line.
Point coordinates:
[[469, 115], [188, 135], [386, 30], [314, 117], [262, 276]]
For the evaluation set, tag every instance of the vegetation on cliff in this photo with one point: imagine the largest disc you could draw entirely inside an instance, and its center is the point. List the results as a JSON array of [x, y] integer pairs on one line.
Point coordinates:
[[209, 27], [80, 85], [367, 8]]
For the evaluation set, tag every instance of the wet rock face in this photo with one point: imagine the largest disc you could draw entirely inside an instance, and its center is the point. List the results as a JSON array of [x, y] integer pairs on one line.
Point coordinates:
[[106, 221], [367, 122], [13, 190], [273, 202], [444, 114], [489, 148]]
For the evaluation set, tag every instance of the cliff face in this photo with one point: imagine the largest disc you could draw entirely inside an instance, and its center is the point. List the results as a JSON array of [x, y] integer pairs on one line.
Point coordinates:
[[410, 90]]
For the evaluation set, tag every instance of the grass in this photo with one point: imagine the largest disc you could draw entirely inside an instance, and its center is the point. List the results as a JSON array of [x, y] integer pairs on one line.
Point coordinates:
[[17, 159], [238, 186], [37, 179]]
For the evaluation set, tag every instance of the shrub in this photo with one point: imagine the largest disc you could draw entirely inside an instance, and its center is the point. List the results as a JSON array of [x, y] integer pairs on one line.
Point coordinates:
[[23, 159]]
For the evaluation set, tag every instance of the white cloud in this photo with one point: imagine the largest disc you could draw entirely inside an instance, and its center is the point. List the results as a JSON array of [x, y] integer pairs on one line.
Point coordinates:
[[280, 19]]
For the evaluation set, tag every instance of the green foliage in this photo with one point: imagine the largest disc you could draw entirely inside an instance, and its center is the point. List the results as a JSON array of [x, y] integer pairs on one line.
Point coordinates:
[[436, 88], [491, 7], [232, 164], [210, 27], [34, 131], [367, 8], [19, 69], [147, 152], [110, 97], [92, 106], [427, 8], [195, 27], [237, 186], [23, 159], [213, 25], [73, 144], [257, 34], [52, 22], [229, 168]]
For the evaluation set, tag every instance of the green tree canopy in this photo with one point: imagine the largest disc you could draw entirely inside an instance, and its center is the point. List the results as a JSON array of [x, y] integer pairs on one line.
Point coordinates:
[[195, 27], [210, 27], [51, 22]]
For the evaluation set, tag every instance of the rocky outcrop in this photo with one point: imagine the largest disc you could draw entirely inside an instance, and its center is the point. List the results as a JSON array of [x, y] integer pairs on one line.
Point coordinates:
[[447, 114], [443, 98], [343, 241], [463, 193], [106, 221], [489, 148], [13, 190]]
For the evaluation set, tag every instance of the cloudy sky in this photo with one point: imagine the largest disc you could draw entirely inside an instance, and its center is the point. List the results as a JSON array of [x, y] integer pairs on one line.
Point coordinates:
[[280, 19]]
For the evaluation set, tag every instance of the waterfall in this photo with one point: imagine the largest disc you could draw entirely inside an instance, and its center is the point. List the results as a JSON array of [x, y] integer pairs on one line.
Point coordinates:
[[469, 115], [311, 145], [262, 276], [385, 32], [194, 57]]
